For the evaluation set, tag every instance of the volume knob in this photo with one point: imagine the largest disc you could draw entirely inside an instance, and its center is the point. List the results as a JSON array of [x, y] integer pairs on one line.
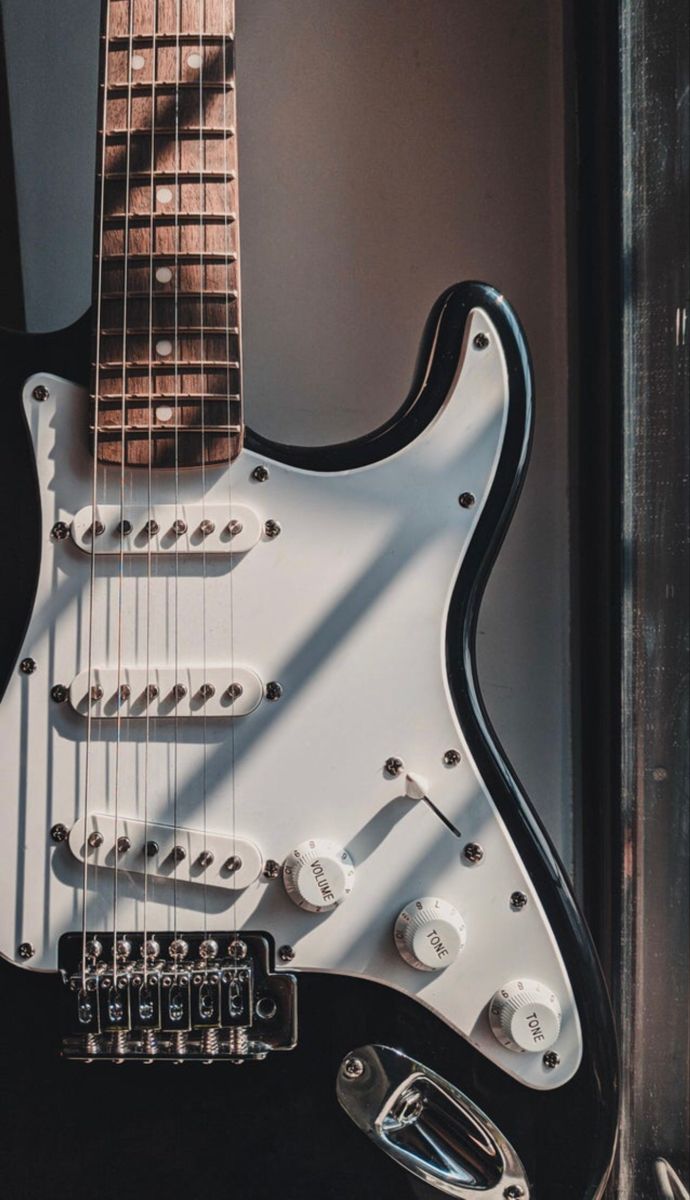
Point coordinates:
[[429, 933], [525, 1015], [318, 875]]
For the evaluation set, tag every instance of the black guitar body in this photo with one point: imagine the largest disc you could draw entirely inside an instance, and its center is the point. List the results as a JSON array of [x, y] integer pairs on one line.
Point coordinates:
[[275, 1127]]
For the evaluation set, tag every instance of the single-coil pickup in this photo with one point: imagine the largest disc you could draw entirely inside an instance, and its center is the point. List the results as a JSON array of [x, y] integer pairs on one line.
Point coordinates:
[[187, 692], [166, 529], [177, 854]]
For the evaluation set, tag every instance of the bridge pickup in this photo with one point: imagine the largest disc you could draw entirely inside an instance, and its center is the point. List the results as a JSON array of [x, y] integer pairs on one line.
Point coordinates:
[[166, 852], [134, 692], [166, 529], [180, 997]]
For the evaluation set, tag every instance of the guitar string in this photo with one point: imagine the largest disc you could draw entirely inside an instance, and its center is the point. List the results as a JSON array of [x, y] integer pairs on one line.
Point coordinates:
[[123, 452], [175, 780], [203, 381], [229, 21], [149, 490], [92, 565]]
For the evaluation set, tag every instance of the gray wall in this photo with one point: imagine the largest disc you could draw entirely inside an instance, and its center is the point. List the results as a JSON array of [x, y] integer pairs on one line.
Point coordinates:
[[387, 149]]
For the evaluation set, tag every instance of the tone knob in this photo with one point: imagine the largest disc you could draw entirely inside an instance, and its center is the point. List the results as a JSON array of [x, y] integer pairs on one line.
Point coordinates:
[[525, 1015], [429, 933], [318, 875]]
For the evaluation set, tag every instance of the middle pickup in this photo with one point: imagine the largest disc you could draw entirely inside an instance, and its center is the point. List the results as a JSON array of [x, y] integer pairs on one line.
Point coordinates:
[[166, 529]]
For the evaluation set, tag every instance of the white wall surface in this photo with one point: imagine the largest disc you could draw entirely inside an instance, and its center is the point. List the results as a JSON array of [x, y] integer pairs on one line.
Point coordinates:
[[388, 148]]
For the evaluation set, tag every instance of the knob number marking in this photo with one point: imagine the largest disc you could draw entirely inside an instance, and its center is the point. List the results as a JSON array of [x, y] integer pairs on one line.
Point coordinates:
[[318, 875], [429, 934], [525, 1016]]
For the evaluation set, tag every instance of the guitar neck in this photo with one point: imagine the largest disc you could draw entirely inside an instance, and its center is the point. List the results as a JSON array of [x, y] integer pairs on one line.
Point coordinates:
[[166, 387]]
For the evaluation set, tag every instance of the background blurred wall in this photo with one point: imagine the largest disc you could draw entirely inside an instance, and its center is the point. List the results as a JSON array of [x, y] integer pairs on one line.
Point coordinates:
[[387, 149]]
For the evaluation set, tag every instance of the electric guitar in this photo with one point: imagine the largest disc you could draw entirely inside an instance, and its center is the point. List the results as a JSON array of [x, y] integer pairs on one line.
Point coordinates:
[[253, 810]]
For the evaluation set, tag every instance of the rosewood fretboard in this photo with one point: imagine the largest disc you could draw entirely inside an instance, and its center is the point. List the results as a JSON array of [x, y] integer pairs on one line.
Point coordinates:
[[166, 371]]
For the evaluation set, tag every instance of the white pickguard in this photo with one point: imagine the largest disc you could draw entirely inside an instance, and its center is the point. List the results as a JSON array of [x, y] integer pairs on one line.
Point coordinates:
[[346, 608]]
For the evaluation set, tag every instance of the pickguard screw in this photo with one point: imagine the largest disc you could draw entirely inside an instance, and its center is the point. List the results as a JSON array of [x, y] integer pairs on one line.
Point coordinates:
[[273, 690], [514, 1192], [518, 900], [151, 849], [451, 758], [40, 393], [286, 954], [466, 500], [95, 839], [60, 531], [271, 869], [393, 767], [271, 529], [480, 341], [238, 949], [27, 666], [26, 950], [551, 1060], [59, 833], [473, 852], [260, 474], [353, 1068], [206, 858], [124, 844], [233, 863], [59, 693]]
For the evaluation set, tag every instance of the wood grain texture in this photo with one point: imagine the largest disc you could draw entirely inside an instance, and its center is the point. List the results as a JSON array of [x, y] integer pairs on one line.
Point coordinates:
[[166, 248]]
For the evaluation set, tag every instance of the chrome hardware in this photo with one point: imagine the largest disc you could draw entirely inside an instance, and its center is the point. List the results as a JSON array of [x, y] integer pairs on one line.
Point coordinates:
[[230, 1006], [59, 693], [60, 531], [179, 691], [233, 863], [189, 529], [124, 692], [40, 393], [124, 844], [551, 1060], [271, 868], [178, 853], [286, 954], [97, 529], [428, 1126], [96, 692], [151, 527], [207, 527], [235, 691], [151, 849], [59, 833], [480, 341], [94, 948], [273, 690], [179, 527], [152, 691], [473, 852], [234, 528], [466, 500], [272, 528], [394, 766], [260, 474], [95, 839], [124, 528], [151, 949], [207, 691], [27, 666], [206, 858], [518, 900], [451, 758], [123, 949], [26, 950]]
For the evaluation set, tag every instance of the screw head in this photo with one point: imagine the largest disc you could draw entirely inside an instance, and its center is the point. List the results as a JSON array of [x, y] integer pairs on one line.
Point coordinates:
[[234, 527], [514, 1192], [518, 900], [124, 528], [353, 1068], [206, 858], [124, 844], [286, 954], [480, 341], [233, 863], [234, 691], [466, 500], [207, 527], [178, 853], [40, 393], [208, 948], [27, 666], [273, 690], [151, 849], [59, 832], [59, 693], [271, 869], [260, 474], [451, 758], [179, 527], [551, 1060], [473, 852], [207, 691], [179, 948], [60, 531], [151, 527], [152, 949], [271, 529], [95, 839], [393, 767], [238, 948], [26, 950]]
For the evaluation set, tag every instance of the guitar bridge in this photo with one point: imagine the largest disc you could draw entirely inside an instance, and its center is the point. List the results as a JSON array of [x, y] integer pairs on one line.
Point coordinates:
[[174, 997]]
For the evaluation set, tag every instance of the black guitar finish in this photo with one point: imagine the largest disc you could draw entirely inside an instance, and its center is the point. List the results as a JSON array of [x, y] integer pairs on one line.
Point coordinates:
[[275, 1127]]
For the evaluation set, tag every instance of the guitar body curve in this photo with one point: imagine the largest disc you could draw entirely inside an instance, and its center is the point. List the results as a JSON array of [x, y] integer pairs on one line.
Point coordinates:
[[362, 607]]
